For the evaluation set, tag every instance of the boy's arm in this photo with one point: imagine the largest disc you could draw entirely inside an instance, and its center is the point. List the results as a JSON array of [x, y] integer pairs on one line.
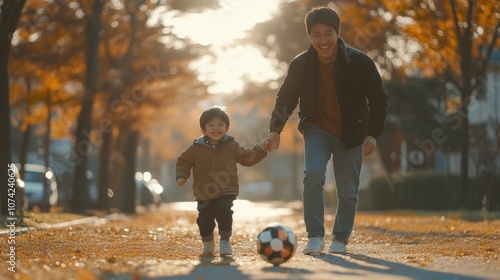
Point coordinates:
[[183, 166], [251, 156]]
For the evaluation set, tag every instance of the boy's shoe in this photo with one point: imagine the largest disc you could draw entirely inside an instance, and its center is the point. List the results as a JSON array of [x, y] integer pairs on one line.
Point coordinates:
[[314, 246], [225, 248], [337, 247], [208, 248]]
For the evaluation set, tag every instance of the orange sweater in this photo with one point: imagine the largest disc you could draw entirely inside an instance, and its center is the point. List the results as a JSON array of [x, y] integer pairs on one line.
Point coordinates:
[[327, 113]]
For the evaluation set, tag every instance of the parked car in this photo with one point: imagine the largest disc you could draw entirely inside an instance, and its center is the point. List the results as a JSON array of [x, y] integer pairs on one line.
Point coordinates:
[[148, 190], [34, 178], [20, 198]]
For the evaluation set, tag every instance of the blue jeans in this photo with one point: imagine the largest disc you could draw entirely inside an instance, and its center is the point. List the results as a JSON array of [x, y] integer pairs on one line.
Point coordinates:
[[319, 147]]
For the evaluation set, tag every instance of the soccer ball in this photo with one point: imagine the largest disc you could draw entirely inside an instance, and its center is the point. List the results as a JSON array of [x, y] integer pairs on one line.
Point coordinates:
[[276, 244]]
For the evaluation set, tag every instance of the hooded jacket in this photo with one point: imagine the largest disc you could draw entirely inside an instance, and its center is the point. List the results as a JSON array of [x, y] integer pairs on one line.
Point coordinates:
[[360, 92], [215, 166]]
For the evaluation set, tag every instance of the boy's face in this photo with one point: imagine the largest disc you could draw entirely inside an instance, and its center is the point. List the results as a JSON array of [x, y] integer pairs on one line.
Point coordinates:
[[215, 130], [323, 38]]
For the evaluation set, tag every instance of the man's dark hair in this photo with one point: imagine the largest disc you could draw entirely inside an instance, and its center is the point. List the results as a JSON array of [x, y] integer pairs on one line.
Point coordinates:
[[213, 112], [324, 15]]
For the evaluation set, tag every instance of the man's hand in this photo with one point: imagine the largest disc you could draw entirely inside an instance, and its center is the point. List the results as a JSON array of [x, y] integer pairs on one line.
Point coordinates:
[[181, 182], [369, 145], [273, 141]]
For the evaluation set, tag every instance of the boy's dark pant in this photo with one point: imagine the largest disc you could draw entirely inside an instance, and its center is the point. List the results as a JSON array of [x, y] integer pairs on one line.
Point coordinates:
[[215, 209]]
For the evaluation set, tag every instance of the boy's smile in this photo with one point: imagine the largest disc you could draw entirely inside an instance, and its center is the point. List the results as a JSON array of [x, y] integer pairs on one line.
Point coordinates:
[[215, 130]]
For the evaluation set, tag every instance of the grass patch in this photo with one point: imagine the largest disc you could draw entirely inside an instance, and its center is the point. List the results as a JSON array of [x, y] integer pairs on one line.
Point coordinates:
[[33, 219]]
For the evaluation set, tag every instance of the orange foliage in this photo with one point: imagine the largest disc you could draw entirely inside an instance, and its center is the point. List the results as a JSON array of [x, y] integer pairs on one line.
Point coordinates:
[[432, 25]]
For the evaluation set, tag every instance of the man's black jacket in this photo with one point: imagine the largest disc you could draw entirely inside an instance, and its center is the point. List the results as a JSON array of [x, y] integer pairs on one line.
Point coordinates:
[[361, 94]]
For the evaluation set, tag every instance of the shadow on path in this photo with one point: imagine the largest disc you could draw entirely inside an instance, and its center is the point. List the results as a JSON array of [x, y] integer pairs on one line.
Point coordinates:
[[327, 266], [207, 269], [213, 268], [362, 265]]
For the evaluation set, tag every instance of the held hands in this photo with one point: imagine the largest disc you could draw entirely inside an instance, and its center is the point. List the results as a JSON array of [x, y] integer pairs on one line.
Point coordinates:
[[369, 145], [181, 182], [272, 142]]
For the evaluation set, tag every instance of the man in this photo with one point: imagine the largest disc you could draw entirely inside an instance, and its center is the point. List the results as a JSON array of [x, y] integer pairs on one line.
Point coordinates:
[[342, 110]]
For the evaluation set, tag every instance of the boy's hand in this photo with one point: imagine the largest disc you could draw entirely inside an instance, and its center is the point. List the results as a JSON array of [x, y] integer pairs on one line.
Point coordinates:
[[181, 182], [273, 140], [265, 145]]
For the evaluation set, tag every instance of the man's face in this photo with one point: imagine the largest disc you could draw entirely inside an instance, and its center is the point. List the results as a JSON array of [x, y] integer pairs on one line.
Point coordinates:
[[323, 38]]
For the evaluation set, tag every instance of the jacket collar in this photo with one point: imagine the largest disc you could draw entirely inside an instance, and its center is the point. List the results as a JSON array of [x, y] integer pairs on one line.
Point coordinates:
[[342, 51], [201, 140]]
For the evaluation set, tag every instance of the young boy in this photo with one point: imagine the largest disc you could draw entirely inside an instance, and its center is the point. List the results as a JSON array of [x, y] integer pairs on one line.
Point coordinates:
[[214, 158]]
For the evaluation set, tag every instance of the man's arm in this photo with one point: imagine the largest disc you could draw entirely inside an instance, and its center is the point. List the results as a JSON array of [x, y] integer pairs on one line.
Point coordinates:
[[286, 101]]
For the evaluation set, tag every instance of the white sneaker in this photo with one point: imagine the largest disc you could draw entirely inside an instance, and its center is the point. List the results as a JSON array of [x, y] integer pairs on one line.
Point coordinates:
[[314, 246], [225, 248], [337, 247], [208, 248]]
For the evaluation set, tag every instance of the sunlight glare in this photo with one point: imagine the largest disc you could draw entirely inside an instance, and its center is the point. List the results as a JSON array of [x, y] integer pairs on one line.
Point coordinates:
[[228, 71], [232, 66], [228, 23]]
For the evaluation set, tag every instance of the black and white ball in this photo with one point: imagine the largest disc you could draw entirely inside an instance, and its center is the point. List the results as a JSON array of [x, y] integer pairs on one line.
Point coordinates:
[[276, 244]]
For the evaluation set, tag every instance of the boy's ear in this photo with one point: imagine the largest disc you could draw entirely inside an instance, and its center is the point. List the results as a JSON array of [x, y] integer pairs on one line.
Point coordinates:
[[202, 130]]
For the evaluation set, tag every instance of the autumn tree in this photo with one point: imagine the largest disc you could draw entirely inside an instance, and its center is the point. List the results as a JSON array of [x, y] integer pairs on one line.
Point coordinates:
[[365, 25], [81, 199], [45, 69], [456, 39], [10, 10]]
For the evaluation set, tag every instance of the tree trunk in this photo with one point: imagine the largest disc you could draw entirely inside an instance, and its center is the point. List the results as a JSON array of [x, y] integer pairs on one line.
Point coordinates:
[[464, 161], [146, 154], [464, 114], [83, 147], [128, 187], [124, 67], [116, 169], [465, 50], [103, 201], [46, 186], [26, 136], [23, 154], [10, 12]]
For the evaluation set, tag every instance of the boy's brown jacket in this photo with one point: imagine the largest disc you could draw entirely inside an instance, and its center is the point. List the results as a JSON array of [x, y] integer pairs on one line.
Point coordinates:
[[215, 166]]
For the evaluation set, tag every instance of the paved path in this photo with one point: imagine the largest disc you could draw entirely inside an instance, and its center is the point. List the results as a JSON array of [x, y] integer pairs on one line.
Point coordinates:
[[163, 244], [366, 261], [351, 266]]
